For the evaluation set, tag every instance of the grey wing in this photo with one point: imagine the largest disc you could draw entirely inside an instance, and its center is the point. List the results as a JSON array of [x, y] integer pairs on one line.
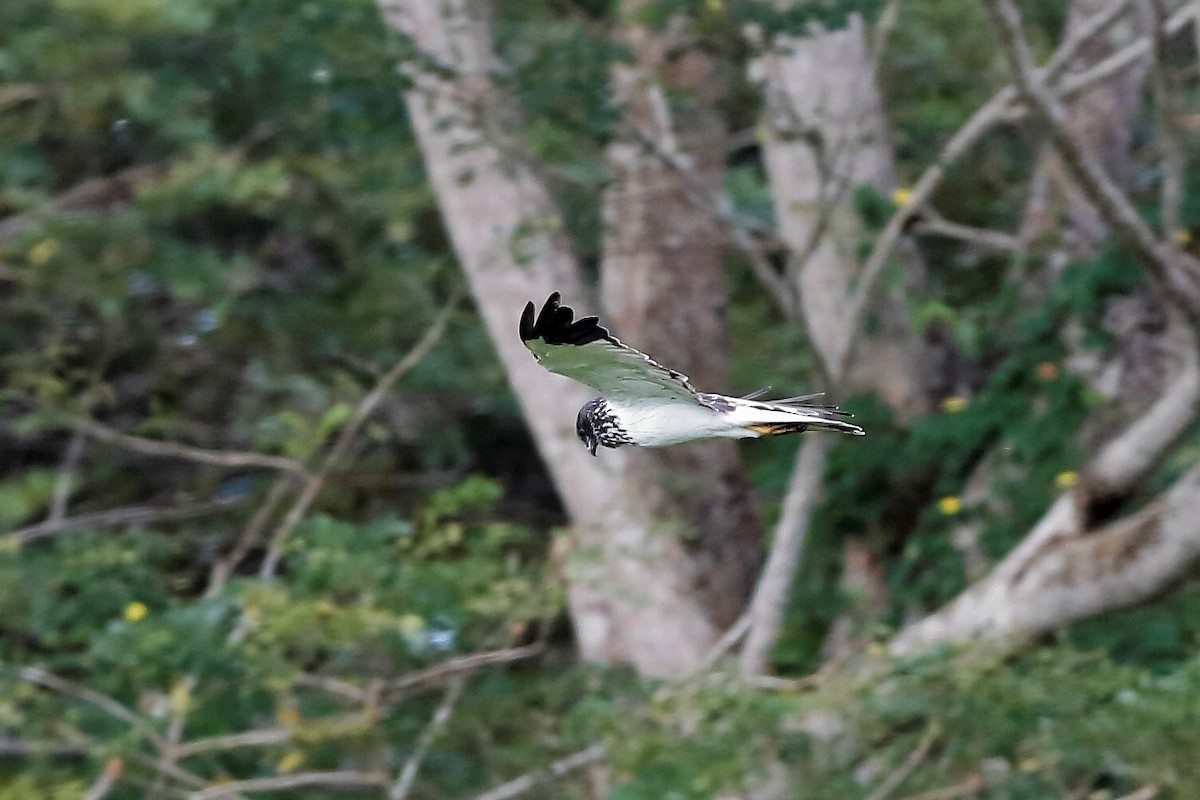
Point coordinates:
[[585, 351]]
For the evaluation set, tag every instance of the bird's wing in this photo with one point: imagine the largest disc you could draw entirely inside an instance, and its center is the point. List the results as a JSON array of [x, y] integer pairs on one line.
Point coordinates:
[[584, 350]]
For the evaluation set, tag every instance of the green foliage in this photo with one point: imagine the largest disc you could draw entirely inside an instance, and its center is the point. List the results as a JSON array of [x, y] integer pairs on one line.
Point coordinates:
[[1049, 724]]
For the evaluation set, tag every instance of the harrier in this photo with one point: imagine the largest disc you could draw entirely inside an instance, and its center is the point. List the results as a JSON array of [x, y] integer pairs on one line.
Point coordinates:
[[644, 403]]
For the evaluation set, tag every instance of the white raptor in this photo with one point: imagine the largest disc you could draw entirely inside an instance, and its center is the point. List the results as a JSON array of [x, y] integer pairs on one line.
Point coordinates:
[[644, 403]]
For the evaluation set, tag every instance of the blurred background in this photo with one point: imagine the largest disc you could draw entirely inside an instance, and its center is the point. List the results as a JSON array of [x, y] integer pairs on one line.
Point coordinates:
[[287, 510]]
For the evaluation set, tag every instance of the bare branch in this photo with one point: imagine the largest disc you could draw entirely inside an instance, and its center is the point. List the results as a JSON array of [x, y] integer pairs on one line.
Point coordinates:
[[980, 237], [908, 765], [1174, 269], [223, 567], [1070, 577], [456, 666], [21, 748], [968, 788], [1128, 457], [103, 702], [156, 765], [105, 781], [521, 785], [105, 191], [729, 640], [263, 737], [771, 593], [65, 477], [346, 779], [260, 737], [1090, 28], [403, 785], [200, 455], [312, 487], [1001, 107], [333, 686], [129, 515], [1167, 137]]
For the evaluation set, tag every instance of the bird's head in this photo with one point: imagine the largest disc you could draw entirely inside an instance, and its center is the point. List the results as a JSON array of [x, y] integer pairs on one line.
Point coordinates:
[[585, 427]]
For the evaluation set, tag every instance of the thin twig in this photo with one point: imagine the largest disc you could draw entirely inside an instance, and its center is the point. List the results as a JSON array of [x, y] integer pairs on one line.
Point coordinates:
[[153, 447], [312, 486], [333, 686], [105, 781], [1091, 27], [1173, 268], [259, 737], [218, 576], [774, 586], [518, 786], [103, 702], [1167, 139], [971, 786], [980, 237], [455, 666], [117, 517], [727, 642], [263, 737], [154, 764], [408, 774], [345, 779], [180, 705], [906, 767], [991, 113], [20, 748], [66, 477]]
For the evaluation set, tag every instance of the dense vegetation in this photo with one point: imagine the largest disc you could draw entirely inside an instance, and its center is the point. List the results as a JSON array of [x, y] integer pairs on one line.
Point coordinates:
[[215, 232]]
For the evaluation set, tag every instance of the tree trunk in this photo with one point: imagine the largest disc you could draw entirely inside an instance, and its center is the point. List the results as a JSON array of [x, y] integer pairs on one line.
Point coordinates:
[[634, 590], [825, 137], [663, 283]]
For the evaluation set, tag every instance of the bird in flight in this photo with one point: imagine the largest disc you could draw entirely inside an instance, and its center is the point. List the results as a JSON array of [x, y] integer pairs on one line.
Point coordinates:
[[644, 403]]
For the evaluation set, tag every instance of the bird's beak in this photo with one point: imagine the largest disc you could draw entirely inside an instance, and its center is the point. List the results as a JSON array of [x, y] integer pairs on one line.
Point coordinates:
[[592, 444]]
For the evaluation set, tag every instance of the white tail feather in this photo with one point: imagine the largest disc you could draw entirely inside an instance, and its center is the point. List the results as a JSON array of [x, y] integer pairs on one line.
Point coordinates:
[[767, 418]]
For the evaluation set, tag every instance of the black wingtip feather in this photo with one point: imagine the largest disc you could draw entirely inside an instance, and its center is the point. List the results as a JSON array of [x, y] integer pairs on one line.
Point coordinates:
[[556, 324], [528, 317]]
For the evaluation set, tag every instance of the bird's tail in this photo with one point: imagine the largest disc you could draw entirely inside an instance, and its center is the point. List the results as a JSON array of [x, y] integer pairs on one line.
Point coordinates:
[[794, 415]]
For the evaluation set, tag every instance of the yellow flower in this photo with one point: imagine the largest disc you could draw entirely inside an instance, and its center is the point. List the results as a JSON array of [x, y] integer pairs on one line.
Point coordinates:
[[181, 696], [289, 762], [953, 405], [42, 252], [136, 612], [1181, 236], [949, 505], [287, 715], [902, 196], [1065, 480]]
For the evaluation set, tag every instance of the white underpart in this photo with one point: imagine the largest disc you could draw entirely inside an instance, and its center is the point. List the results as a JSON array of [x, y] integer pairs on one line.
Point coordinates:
[[656, 424]]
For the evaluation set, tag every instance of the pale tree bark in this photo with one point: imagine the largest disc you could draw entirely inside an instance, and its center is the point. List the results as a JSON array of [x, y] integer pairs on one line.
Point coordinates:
[[1076, 562], [1022, 596], [631, 586], [663, 282], [825, 135], [1101, 119], [1064, 225]]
